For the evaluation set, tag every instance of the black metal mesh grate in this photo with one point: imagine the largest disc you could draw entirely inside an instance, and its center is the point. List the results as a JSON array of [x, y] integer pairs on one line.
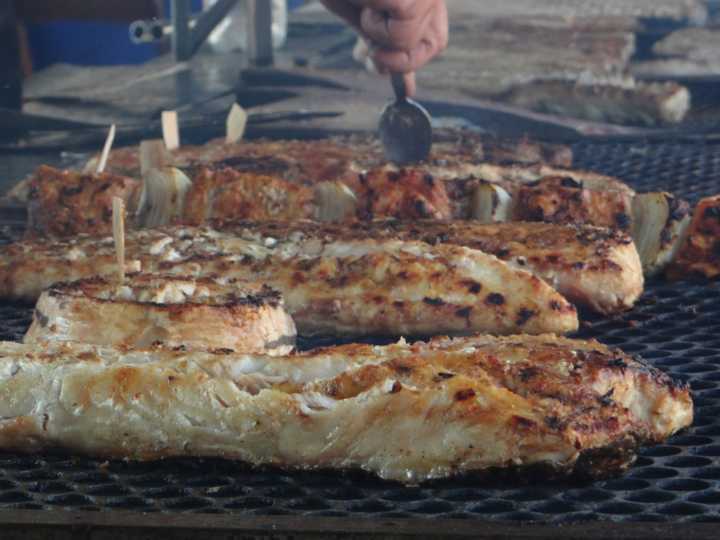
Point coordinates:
[[675, 326]]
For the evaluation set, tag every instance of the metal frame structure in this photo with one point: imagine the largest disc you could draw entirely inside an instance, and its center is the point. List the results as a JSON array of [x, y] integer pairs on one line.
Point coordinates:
[[188, 33]]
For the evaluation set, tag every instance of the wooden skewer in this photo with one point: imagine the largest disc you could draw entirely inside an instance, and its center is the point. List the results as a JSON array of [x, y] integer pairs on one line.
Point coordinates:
[[119, 235], [235, 125], [171, 130], [106, 150]]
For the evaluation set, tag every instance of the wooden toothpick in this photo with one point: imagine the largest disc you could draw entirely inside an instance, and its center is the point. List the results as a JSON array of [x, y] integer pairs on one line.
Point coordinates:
[[119, 235], [171, 130], [235, 125], [106, 150]]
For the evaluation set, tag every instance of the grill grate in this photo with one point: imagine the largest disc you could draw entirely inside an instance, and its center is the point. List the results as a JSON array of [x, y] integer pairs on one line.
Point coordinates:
[[675, 326]]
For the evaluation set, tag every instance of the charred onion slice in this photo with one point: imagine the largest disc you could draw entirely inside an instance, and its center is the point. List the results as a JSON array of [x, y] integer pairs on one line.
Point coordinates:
[[163, 197], [660, 222], [491, 204], [334, 201], [198, 314]]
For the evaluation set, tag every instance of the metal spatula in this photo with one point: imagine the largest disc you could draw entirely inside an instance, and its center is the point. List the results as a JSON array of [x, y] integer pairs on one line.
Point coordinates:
[[405, 127]]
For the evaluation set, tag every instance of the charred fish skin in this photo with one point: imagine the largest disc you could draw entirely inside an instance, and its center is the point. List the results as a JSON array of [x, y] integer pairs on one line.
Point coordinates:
[[595, 268], [196, 314], [452, 406], [356, 287]]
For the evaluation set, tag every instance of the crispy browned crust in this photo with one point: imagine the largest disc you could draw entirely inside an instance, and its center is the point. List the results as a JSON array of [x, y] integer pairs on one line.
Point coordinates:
[[539, 193], [272, 179], [558, 199], [65, 203], [403, 194], [339, 158], [123, 161], [227, 194], [231, 293], [700, 255], [593, 267]]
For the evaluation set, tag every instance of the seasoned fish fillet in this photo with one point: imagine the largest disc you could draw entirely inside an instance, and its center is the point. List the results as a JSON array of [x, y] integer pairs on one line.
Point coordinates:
[[537, 193], [230, 194], [398, 288], [563, 199], [198, 314], [405, 194], [409, 413], [64, 203], [345, 287], [592, 267], [627, 102], [297, 179]]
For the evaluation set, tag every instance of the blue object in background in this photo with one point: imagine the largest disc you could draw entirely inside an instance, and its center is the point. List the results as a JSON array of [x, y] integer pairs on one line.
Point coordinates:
[[94, 43], [85, 43]]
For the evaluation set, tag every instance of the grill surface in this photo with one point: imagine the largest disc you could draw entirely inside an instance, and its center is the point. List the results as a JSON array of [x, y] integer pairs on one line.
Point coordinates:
[[675, 326]]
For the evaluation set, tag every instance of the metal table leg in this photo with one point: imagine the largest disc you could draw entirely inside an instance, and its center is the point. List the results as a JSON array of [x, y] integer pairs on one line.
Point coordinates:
[[259, 32], [181, 43]]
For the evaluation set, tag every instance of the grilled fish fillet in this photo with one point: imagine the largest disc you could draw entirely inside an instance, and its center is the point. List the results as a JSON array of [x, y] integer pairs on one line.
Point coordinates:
[[198, 314], [229, 194], [65, 203], [289, 180], [399, 288], [346, 287], [409, 413], [563, 199], [335, 158], [537, 193], [592, 267]]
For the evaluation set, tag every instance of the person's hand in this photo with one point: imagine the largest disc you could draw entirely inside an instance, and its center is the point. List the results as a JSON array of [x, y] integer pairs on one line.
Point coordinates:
[[403, 34]]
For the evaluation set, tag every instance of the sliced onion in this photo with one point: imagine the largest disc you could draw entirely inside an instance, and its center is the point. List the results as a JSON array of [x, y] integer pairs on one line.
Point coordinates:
[[162, 200], [334, 201], [660, 224], [491, 204]]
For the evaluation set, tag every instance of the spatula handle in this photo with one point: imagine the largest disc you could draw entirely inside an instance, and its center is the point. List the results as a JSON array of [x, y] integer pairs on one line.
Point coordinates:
[[398, 84]]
